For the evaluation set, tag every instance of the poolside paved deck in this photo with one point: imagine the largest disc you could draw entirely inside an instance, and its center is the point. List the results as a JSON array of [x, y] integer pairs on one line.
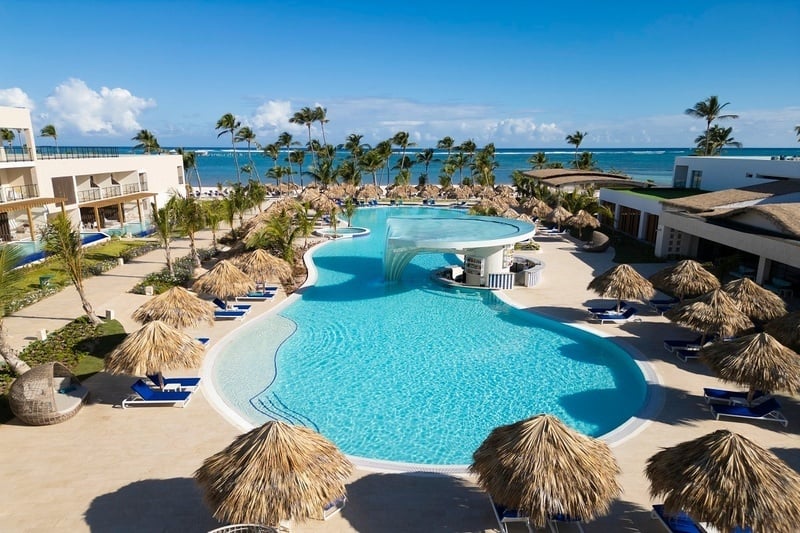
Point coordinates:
[[114, 470]]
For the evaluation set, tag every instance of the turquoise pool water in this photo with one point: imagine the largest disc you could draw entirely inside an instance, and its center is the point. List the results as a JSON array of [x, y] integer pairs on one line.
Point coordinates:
[[136, 229], [32, 250], [412, 371]]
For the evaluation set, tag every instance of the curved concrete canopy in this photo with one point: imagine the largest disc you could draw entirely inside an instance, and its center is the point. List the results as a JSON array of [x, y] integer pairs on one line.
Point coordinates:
[[408, 236]]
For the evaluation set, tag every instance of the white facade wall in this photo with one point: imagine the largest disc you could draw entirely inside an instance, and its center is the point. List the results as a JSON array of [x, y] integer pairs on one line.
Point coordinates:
[[719, 173]]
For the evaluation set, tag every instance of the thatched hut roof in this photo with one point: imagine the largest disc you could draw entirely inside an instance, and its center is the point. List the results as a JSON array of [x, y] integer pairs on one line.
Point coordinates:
[[583, 219], [154, 348], [177, 307], [370, 191], [755, 301], [273, 473], [733, 198], [563, 177], [622, 282], [262, 266], [685, 278], [558, 215], [727, 481], [714, 312], [786, 329], [225, 281], [542, 468]]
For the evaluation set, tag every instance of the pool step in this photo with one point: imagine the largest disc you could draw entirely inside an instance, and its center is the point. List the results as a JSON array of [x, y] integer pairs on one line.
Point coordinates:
[[271, 405]]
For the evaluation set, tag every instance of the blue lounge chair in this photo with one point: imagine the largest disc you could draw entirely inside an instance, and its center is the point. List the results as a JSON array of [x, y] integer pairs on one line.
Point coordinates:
[[693, 344], [678, 523], [145, 395], [229, 314], [662, 304], [507, 516], [331, 508], [203, 340], [613, 309], [732, 397], [684, 354], [258, 296], [171, 383], [628, 314], [767, 410], [240, 307], [260, 287], [564, 519]]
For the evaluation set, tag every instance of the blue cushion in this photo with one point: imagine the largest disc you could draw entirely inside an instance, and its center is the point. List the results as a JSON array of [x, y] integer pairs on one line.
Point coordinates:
[[679, 523]]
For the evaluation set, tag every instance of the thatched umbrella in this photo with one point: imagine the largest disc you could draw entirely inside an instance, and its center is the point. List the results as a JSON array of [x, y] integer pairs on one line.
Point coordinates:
[[370, 191], [558, 216], [541, 210], [177, 307], [583, 219], [154, 348], [224, 281], [756, 361], [533, 203], [509, 213], [727, 481], [714, 312], [262, 266], [755, 301], [429, 191], [786, 329], [623, 283], [310, 194], [525, 218], [543, 468], [685, 278], [273, 473]]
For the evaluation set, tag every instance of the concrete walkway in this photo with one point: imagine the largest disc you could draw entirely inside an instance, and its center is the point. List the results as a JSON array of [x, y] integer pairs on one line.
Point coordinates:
[[114, 470]]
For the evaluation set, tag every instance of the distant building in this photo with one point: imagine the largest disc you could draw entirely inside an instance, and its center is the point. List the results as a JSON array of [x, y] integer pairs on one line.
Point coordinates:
[[98, 188]]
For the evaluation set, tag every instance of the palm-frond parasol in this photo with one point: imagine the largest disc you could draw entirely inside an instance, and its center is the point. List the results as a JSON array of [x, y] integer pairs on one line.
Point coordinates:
[[263, 266], [177, 307], [581, 220], [370, 191], [224, 281], [543, 468], [309, 194], [533, 203], [714, 312], [273, 473], [685, 278], [558, 216], [755, 301], [786, 329], [727, 481], [622, 282], [154, 348], [541, 210], [756, 361]]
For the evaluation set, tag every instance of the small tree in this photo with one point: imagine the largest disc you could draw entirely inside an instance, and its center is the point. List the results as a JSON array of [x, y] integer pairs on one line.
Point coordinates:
[[63, 241], [348, 210], [164, 222], [10, 257], [190, 218], [215, 214]]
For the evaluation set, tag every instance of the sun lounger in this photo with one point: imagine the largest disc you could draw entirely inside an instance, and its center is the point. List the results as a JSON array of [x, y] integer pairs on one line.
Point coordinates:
[[240, 307], [612, 316], [555, 520], [145, 395], [684, 354], [203, 340], [175, 383], [678, 523], [613, 309], [331, 508], [732, 397], [768, 410], [693, 344], [258, 296], [661, 305], [260, 287], [229, 314], [507, 516]]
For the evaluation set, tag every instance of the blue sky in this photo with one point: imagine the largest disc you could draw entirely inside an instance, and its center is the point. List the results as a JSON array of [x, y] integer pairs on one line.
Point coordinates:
[[516, 73]]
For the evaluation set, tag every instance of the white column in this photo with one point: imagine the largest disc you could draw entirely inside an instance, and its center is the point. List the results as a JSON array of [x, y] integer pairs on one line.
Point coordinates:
[[764, 266]]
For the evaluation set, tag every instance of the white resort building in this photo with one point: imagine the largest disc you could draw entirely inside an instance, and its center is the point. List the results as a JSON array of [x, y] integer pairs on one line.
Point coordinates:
[[99, 189], [746, 209]]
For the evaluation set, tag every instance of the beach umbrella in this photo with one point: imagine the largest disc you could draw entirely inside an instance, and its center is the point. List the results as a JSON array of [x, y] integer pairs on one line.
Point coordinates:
[[756, 361], [758, 303], [309, 194], [177, 307], [370, 191], [685, 278], [727, 481], [429, 191], [558, 216], [622, 282], [335, 192], [714, 312], [786, 329], [273, 473], [483, 192], [262, 266], [323, 204], [583, 219], [505, 190], [154, 348], [525, 218], [509, 213], [224, 281], [543, 468], [541, 210], [533, 203]]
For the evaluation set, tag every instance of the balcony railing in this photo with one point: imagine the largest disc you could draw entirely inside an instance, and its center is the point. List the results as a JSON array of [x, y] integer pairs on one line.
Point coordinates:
[[89, 195], [76, 152], [110, 192], [15, 154], [130, 189], [9, 193]]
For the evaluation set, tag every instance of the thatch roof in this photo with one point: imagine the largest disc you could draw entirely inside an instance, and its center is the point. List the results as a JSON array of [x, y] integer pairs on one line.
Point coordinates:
[[533, 203], [273, 473], [558, 215], [154, 348], [224, 281], [757, 361], [542, 468], [733, 197], [685, 278], [262, 266], [370, 191], [622, 282], [558, 177], [713, 312], [783, 217], [177, 307], [583, 219], [758, 303], [786, 329], [728, 481]]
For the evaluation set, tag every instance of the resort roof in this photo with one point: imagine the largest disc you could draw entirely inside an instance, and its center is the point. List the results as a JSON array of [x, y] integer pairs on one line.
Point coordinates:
[[114, 200], [782, 217], [730, 197], [557, 177], [29, 202]]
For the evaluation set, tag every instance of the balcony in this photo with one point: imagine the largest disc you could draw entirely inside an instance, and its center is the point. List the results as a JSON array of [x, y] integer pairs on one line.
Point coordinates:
[[110, 192], [130, 189], [15, 154], [10, 193], [89, 195], [76, 152]]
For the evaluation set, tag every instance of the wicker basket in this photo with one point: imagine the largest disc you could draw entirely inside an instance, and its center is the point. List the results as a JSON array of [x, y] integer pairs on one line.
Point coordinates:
[[46, 394]]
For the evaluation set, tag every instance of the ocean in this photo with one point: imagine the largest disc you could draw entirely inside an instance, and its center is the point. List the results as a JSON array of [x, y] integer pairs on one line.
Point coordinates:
[[215, 165]]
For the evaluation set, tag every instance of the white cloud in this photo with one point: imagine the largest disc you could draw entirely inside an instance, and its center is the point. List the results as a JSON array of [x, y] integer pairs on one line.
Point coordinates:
[[109, 111], [15, 97], [273, 115]]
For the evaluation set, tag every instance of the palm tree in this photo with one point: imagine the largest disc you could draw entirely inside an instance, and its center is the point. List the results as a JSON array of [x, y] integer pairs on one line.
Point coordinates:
[[797, 131], [426, 158], [297, 157], [285, 141], [371, 162], [238, 201], [709, 110], [147, 142], [273, 151], [446, 143], [459, 161], [585, 162], [717, 139], [190, 218], [384, 148], [189, 164], [324, 172], [321, 116], [350, 172], [468, 148], [484, 166], [228, 124], [401, 139], [354, 146], [10, 257], [403, 165], [256, 193], [164, 224], [7, 135], [306, 117], [278, 234], [277, 173], [50, 131], [446, 174], [214, 214], [245, 134], [576, 139], [538, 160], [62, 240]]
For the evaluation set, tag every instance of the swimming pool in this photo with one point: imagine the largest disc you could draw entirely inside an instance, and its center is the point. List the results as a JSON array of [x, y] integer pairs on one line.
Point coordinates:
[[414, 372], [136, 229], [32, 250]]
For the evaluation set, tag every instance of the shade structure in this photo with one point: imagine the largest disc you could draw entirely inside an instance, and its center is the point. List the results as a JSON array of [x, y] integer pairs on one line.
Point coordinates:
[[543, 468], [541, 210], [323, 204], [533, 203], [755, 301], [727, 481], [684, 279], [402, 191], [224, 281], [558, 216], [263, 266], [622, 282], [370, 191], [714, 312], [756, 361], [583, 219], [273, 473], [429, 191], [154, 348], [786, 329], [177, 307], [310, 194]]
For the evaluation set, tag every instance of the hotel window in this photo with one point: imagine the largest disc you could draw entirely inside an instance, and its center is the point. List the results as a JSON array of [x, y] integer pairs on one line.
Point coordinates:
[[180, 175], [697, 178], [143, 180]]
